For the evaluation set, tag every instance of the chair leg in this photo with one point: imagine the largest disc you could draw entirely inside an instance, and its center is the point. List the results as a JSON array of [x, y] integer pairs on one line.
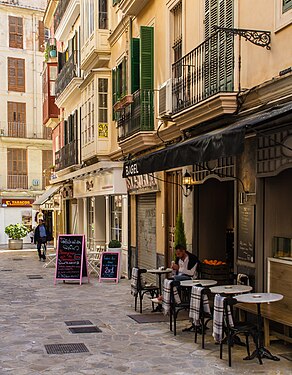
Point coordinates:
[[174, 322], [170, 319], [203, 332], [221, 349], [247, 344], [229, 349], [136, 297], [196, 333], [141, 298]]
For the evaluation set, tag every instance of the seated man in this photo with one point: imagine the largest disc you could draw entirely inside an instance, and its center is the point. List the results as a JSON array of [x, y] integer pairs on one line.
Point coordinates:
[[185, 264]]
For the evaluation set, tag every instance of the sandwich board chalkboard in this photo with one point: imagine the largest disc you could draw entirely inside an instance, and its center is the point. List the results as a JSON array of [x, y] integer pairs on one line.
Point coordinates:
[[71, 261], [109, 266]]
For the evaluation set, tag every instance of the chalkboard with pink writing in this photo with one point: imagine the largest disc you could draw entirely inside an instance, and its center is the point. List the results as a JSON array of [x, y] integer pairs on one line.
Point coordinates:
[[71, 262], [109, 266]]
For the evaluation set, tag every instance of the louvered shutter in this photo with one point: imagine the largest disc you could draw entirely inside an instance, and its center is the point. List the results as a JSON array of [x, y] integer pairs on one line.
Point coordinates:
[[16, 74], [124, 77], [15, 32], [135, 64], [146, 77], [114, 91], [41, 36], [219, 59], [287, 4]]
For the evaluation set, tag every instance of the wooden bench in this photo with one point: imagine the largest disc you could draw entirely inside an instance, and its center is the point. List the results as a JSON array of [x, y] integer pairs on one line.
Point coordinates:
[[277, 312]]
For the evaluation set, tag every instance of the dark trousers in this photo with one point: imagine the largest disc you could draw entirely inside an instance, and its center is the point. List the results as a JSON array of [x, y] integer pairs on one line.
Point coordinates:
[[42, 240]]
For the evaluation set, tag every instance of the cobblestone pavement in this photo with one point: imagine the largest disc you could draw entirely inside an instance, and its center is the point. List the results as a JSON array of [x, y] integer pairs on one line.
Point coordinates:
[[33, 312]]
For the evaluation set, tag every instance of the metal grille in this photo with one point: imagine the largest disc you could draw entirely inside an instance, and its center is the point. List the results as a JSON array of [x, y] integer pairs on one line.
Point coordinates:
[[5, 270], [146, 222], [223, 168], [17, 259], [66, 348], [92, 329], [32, 277], [78, 323]]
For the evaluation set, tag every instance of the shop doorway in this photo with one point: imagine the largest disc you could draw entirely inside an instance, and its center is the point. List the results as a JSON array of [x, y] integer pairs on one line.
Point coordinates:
[[214, 220]]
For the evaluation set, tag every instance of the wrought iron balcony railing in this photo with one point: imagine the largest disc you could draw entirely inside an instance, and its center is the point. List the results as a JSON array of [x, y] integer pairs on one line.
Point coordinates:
[[203, 72], [67, 156], [17, 181], [16, 129], [138, 116], [59, 13], [67, 73]]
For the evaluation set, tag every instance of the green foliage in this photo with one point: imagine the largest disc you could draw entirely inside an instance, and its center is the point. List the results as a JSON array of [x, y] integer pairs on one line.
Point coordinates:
[[114, 244], [16, 231], [179, 233]]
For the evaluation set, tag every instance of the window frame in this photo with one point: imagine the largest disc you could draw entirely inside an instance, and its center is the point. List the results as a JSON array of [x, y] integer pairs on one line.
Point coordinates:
[[15, 61], [18, 42]]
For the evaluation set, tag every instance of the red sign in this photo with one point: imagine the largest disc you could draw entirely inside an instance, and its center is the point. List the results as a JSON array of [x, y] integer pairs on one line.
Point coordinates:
[[17, 202]]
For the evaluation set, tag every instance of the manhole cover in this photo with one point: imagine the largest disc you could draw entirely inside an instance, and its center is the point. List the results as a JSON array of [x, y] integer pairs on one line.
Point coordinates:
[[78, 323], [66, 348], [34, 277], [92, 329], [5, 270]]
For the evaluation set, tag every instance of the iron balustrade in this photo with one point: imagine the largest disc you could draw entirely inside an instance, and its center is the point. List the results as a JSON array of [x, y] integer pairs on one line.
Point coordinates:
[[67, 156], [138, 116], [203, 72], [61, 9], [17, 181], [67, 73], [16, 129]]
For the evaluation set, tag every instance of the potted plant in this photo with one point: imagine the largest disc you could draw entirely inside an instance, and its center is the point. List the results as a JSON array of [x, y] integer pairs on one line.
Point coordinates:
[[114, 245], [15, 233]]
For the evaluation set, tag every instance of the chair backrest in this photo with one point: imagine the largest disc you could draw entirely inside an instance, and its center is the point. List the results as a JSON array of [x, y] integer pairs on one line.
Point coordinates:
[[228, 304], [242, 279], [176, 296], [140, 281]]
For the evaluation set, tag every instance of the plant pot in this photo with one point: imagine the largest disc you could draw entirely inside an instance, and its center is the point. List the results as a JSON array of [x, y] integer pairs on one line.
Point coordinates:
[[53, 53], [15, 244]]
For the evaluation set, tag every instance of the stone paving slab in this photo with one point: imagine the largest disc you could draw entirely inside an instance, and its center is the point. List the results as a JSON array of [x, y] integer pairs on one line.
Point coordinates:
[[33, 314]]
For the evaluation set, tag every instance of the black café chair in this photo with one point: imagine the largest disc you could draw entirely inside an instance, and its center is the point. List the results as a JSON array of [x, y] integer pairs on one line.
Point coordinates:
[[204, 316], [247, 329], [143, 289], [175, 307]]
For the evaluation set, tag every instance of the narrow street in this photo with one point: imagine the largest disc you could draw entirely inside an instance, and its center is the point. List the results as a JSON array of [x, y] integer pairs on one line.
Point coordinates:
[[33, 313]]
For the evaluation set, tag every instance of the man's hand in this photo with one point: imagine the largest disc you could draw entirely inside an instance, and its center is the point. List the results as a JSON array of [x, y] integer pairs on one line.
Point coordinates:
[[175, 267]]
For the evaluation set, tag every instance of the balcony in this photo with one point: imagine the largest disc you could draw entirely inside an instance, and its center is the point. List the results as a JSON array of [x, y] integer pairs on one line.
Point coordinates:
[[17, 129], [22, 130], [67, 156], [203, 81], [65, 17], [50, 110], [17, 181], [132, 7], [68, 72]]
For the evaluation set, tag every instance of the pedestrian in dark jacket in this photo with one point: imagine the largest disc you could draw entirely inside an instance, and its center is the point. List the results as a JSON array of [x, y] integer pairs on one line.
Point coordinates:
[[41, 236]]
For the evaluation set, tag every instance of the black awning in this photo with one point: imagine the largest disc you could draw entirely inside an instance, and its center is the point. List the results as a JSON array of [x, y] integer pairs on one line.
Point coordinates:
[[224, 142], [210, 146]]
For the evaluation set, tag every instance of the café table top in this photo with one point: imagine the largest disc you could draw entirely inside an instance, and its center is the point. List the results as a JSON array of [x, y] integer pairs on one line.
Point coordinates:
[[231, 289], [259, 297], [157, 271], [203, 282]]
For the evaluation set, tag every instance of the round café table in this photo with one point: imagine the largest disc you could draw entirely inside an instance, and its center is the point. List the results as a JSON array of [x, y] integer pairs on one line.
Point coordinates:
[[160, 272], [260, 298], [203, 282], [231, 289]]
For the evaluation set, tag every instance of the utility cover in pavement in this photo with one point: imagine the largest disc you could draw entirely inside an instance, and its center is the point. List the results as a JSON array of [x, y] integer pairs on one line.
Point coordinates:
[[34, 277], [78, 323], [66, 348], [92, 329], [5, 270], [17, 259]]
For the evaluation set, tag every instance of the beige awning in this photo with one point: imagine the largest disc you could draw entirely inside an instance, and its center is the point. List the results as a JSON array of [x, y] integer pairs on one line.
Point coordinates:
[[52, 190]]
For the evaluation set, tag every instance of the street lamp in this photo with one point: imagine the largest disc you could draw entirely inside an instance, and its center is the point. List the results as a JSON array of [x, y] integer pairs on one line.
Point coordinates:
[[187, 181]]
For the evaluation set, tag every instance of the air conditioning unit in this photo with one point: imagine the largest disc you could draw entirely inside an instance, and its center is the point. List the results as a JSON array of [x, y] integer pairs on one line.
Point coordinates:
[[2, 132], [165, 99]]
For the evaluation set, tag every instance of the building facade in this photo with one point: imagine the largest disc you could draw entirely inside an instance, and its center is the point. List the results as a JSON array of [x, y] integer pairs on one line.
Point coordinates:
[[25, 144]]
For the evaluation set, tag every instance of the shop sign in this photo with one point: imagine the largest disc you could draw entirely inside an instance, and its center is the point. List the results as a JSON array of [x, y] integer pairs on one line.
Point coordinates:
[[142, 183], [17, 202]]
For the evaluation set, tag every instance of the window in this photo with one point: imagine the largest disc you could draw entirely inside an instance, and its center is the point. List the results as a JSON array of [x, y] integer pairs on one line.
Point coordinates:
[[116, 217], [287, 5], [47, 162], [102, 14], [88, 99], [16, 168], [16, 74], [41, 36], [53, 76], [88, 19], [177, 32], [90, 221], [120, 81], [16, 119], [103, 108], [15, 32]]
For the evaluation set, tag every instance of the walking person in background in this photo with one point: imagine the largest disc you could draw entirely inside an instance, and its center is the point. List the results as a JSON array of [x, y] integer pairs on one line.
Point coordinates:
[[41, 236]]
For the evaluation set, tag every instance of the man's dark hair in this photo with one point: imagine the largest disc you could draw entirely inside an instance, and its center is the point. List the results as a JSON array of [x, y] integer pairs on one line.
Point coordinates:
[[180, 247]]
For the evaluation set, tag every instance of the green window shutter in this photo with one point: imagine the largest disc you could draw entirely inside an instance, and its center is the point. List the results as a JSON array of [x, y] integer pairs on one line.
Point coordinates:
[[287, 4], [146, 77], [146, 58], [135, 64], [114, 91], [124, 77]]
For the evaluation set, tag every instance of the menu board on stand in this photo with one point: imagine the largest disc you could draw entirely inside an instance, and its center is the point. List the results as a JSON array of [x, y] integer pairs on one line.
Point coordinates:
[[71, 261], [109, 266]]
